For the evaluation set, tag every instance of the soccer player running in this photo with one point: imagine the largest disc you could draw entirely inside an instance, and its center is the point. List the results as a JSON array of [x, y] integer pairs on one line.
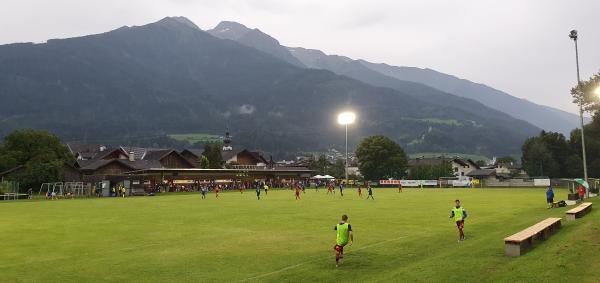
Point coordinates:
[[370, 192], [266, 187], [459, 214], [298, 189], [359, 191], [341, 189], [258, 192], [217, 190], [344, 237], [329, 189]]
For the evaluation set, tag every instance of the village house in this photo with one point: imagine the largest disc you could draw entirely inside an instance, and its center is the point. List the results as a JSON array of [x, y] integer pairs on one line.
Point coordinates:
[[460, 167]]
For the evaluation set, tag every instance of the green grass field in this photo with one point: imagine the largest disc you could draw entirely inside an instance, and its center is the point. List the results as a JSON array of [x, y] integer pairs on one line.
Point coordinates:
[[404, 237], [197, 138]]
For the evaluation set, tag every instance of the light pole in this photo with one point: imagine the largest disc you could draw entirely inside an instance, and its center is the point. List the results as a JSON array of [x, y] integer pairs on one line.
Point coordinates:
[[573, 36], [346, 118]]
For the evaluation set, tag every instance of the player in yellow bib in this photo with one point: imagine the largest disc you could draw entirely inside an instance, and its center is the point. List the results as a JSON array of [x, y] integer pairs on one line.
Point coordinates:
[[459, 214], [344, 237]]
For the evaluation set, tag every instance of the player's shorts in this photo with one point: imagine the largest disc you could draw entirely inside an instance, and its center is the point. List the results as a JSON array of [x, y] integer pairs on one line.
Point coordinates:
[[339, 248], [550, 200], [460, 224]]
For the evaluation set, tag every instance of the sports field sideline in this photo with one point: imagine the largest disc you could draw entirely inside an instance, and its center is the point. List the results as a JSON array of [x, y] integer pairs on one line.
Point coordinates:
[[398, 237]]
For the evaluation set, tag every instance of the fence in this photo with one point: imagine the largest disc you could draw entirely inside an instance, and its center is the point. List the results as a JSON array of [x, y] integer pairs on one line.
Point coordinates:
[[9, 190], [9, 187]]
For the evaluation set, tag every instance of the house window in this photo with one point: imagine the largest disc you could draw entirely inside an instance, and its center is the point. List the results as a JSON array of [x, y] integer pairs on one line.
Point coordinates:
[[462, 173]]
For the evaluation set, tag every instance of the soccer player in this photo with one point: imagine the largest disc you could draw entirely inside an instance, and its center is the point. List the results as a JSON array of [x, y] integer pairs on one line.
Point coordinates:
[[258, 192], [459, 214], [344, 237], [399, 187], [266, 187], [298, 189], [341, 189], [203, 191], [359, 191], [370, 192], [329, 189], [217, 190]]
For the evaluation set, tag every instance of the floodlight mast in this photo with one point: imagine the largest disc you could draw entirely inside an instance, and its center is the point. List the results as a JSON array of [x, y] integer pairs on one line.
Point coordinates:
[[573, 35], [345, 119]]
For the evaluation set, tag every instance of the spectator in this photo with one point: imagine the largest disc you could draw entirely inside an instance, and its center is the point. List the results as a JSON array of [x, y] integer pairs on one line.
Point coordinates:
[[550, 197], [581, 191]]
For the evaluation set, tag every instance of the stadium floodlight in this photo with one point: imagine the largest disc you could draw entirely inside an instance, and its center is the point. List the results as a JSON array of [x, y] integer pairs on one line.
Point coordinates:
[[346, 118], [573, 35]]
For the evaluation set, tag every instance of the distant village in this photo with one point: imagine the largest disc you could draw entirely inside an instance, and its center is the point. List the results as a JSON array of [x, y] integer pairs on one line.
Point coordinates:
[[145, 169]]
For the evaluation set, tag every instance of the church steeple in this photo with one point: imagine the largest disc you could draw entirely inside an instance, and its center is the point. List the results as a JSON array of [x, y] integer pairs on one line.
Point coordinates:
[[227, 142]]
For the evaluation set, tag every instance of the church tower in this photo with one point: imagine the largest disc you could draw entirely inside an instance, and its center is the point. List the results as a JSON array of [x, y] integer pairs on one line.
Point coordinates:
[[227, 142]]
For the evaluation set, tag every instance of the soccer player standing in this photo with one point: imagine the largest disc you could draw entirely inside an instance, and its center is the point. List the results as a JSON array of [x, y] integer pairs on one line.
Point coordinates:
[[459, 214], [344, 237], [370, 192]]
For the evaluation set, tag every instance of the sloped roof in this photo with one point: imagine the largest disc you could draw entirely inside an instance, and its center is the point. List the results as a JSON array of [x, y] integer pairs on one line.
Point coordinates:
[[258, 156], [133, 165], [87, 151], [427, 161], [228, 154], [157, 154], [196, 152], [107, 152], [138, 152], [481, 172], [11, 170]]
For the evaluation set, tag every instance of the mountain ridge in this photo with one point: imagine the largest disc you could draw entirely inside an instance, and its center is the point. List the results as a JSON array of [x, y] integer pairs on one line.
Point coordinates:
[[168, 77]]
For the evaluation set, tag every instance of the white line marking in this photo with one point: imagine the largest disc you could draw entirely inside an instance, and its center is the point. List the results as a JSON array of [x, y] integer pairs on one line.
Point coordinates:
[[313, 260]]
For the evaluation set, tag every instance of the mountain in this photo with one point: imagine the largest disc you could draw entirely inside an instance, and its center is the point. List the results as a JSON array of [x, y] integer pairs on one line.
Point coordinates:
[[352, 68], [255, 39], [171, 77], [544, 117]]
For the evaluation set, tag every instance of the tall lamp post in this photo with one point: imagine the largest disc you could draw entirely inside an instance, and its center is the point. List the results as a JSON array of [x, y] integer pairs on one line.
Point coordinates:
[[345, 119], [573, 36]]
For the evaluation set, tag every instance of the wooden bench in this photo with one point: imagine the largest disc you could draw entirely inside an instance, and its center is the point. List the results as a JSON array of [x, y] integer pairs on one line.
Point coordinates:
[[516, 244], [579, 211]]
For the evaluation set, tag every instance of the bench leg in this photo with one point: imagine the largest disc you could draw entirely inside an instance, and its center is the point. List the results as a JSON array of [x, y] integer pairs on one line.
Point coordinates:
[[512, 249], [570, 217]]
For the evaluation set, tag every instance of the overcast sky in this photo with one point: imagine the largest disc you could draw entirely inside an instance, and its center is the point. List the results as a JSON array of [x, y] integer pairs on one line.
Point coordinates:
[[520, 47]]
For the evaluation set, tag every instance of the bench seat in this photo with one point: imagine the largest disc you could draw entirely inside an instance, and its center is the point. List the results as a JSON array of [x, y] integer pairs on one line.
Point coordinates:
[[515, 244], [579, 211]]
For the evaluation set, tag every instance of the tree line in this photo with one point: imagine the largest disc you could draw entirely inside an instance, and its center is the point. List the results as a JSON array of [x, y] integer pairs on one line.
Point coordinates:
[[553, 155]]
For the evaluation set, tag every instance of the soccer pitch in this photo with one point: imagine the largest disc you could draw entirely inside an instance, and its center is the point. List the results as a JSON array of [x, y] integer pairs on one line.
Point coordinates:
[[400, 237]]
